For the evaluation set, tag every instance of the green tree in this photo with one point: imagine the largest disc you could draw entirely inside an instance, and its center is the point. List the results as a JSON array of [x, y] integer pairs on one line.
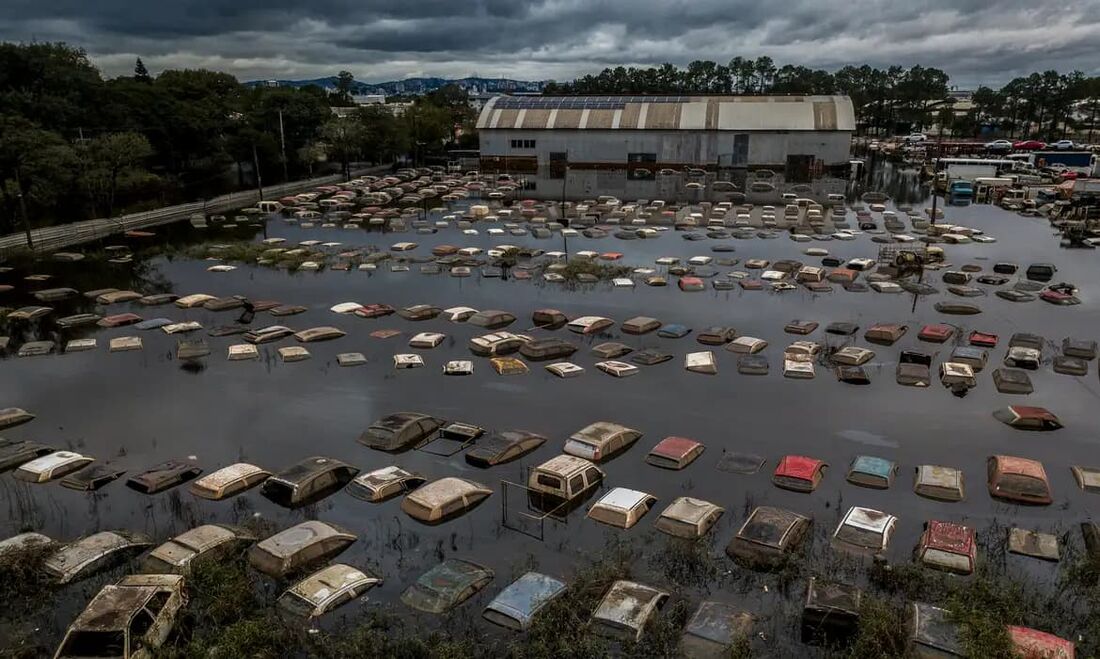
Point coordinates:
[[112, 162], [141, 74], [345, 82], [36, 169], [345, 138]]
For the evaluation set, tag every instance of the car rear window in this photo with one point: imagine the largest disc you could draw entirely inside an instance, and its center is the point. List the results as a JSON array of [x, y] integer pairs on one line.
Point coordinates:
[[546, 480], [662, 461], [859, 537], [579, 448], [1022, 485]]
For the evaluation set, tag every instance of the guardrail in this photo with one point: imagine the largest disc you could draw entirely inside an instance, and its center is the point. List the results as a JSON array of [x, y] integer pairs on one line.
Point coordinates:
[[48, 239]]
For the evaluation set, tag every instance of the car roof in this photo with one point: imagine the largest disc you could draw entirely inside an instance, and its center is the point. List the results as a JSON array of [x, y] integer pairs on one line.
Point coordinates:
[[868, 519], [949, 537], [290, 541], [622, 498], [565, 465], [438, 492], [112, 608]]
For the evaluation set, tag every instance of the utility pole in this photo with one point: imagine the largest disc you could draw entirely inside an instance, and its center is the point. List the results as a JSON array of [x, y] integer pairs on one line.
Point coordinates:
[[282, 145], [256, 170], [561, 208], [23, 209]]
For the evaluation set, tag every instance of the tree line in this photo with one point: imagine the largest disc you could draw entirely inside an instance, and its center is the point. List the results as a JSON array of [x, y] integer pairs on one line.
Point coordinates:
[[74, 145], [1049, 105]]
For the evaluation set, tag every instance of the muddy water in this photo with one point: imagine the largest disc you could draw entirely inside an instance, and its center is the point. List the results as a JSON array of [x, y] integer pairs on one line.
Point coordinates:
[[139, 408]]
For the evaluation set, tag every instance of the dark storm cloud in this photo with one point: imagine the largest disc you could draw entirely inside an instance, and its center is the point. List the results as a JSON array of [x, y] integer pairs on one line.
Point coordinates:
[[974, 40]]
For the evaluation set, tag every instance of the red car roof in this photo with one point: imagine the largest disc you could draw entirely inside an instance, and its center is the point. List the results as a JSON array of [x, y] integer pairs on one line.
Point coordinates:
[[949, 537], [1034, 643], [984, 339], [675, 447], [798, 466], [1009, 464]]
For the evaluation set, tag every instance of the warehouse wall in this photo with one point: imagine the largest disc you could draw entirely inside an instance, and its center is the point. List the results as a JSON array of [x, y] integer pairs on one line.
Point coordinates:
[[765, 149]]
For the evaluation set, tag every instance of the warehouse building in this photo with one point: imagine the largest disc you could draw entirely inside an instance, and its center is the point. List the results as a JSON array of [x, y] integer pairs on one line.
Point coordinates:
[[645, 146]]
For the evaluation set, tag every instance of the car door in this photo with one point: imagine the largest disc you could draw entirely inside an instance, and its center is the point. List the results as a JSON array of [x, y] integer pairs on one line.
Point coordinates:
[[158, 608]]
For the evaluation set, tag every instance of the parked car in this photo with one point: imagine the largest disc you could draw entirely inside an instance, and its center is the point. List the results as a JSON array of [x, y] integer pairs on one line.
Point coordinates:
[[299, 546], [399, 431], [998, 145], [95, 552], [1029, 145], [768, 537], [916, 138], [444, 499], [447, 585], [307, 481], [202, 543], [229, 481], [131, 618], [601, 440], [325, 590], [1063, 145], [385, 483], [163, 476], [503, 447]]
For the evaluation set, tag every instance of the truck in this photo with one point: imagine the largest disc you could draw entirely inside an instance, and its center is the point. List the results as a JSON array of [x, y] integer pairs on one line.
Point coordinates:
[[960, 192], [1083, 162]]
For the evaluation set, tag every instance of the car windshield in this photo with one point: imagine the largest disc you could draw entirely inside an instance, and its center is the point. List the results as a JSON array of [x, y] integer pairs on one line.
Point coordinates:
[[296, 604], [94, 644]]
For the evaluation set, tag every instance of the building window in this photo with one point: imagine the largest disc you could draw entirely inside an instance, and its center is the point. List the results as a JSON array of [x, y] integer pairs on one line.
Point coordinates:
[[559, 162], [523, 144], [641, 166]]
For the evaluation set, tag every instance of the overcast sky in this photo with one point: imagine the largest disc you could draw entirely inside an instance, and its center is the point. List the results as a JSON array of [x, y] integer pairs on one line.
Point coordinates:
[[975, 41]]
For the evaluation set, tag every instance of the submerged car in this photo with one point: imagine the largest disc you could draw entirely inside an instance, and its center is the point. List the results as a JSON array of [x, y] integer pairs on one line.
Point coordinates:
[[163, 476], [864, 531], [229, 481], [503, 447], [1024, 417], [621, 507], [768, 537], [517, 605], [1018, 480], [209, 542], [626, 609], [93, 553], [447, 585], [307, 481], [601, 441], [51, 466], [688, 517], [384, 484], [298, 547], [129, 619], [444, 499], [799, 473], [564, 479], [325, 590], [948, 547], [398, 432]]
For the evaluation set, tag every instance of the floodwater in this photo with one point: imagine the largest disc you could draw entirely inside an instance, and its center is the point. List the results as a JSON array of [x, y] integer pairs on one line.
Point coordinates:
[[140, 408]]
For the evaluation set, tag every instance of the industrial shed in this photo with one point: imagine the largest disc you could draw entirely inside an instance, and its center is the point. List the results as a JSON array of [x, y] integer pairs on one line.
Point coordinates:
[[627, 144]]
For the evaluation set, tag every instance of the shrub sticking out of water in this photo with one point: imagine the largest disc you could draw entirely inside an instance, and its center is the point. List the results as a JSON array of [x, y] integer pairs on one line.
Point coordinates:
[[602, 271], [882, 631]]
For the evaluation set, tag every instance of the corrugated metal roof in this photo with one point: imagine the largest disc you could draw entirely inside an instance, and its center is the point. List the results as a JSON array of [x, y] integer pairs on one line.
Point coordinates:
[[733, 113]]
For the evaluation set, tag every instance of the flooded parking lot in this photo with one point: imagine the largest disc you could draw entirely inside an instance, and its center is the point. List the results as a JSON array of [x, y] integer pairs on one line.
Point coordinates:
[[142, 407]]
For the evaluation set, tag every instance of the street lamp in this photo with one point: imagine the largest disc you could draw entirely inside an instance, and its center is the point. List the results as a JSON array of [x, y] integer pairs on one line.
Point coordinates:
[[561, 212]]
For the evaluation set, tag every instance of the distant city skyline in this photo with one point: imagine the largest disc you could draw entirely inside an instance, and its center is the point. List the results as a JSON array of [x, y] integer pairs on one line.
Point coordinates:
[[975, 42]]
